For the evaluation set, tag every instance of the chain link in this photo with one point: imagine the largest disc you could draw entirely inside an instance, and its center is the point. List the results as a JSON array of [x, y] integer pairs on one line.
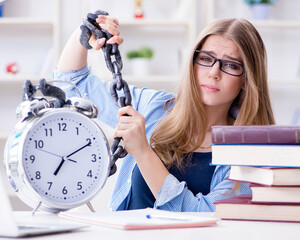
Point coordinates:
[[29, 91], [114, 63]]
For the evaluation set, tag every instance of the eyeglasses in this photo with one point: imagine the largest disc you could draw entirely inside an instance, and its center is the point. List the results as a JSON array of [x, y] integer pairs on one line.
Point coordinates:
[[226, 66]]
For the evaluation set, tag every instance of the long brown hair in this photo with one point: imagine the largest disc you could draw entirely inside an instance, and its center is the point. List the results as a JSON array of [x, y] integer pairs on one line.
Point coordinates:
[[175, 135]]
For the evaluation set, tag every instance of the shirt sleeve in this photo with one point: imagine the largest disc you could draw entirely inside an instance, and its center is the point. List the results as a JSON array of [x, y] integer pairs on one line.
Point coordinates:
[[144, 100], [175, 196]]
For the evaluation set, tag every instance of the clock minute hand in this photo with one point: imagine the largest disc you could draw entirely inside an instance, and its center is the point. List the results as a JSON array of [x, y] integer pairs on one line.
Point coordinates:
[[88, 144], [66, 158]]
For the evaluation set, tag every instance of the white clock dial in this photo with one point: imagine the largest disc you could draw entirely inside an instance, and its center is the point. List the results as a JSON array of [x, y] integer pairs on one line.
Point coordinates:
[[66, 157]]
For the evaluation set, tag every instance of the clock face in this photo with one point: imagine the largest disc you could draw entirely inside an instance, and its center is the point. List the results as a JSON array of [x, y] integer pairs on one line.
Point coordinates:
[[66, 157]]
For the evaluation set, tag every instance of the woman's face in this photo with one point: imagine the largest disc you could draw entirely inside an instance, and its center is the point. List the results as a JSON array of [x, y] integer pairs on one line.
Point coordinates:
[[217, 87]]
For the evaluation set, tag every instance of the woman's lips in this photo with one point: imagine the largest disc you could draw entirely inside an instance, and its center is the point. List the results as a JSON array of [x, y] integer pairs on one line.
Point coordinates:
[[210, 88]]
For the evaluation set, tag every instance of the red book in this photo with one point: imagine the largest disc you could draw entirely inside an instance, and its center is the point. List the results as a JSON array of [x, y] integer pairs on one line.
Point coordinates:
[[242, 208], [256, 134]]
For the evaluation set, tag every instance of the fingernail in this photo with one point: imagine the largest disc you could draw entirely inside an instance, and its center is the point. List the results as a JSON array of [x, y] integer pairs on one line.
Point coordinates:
[[109, 40], [101, 19], [101, 41]]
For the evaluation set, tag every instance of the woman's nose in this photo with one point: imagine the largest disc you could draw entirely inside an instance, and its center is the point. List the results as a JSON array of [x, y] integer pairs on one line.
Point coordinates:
[[215, 71]]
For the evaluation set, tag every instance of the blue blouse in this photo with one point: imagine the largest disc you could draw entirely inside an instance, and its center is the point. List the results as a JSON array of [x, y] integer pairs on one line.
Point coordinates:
[[174, 195], [197, 174]]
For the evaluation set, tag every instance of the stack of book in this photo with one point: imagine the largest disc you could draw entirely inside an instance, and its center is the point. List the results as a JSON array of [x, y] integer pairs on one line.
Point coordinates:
[[266, 157]]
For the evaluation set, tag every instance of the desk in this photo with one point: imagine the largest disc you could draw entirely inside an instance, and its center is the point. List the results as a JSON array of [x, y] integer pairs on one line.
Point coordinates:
[[224, 230]]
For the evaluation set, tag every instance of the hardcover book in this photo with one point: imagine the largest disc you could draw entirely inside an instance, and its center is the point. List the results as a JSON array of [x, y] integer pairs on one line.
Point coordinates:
[[275, 194], [256, 134], [242, 208], [266, 175], [256, 155]]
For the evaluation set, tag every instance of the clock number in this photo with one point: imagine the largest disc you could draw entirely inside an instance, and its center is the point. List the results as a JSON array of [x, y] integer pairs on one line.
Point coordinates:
[[38, 175], [32, 158], [50, 185], [48, 132], [89, 174], [94, 158], [39, 144], [77, 130], [64, 191], [62, 127], [79, 186]]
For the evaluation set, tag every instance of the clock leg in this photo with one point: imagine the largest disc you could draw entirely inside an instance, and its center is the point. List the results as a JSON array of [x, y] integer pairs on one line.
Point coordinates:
[[90, 206], [36, 208]]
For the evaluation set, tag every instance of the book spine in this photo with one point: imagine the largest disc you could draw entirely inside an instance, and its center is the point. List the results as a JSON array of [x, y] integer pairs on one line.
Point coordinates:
[[289, 135]]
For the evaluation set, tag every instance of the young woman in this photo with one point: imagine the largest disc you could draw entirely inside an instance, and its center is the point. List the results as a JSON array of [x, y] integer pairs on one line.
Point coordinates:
[[168, 137]]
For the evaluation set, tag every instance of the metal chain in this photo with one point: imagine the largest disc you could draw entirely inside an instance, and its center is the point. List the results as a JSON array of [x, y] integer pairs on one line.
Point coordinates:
[[29, 91], [114, 63]]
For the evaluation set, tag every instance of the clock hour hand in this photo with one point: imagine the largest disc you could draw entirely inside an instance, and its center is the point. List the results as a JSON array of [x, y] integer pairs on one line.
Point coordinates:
[[59, 166], [67, 157], [61, 163]]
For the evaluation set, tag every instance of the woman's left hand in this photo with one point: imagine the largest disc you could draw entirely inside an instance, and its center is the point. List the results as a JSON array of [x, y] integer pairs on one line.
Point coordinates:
[[132, 129]]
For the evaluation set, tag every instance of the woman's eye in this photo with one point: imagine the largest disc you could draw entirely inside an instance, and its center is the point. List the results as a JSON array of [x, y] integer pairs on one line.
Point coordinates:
[[206, 59], [231, 65]]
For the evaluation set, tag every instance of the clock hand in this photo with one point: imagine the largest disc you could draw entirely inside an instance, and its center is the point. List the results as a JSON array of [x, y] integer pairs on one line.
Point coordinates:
[[88, 144], [61, 163], [59, 166], [48, 152], [67, 157], [71, 160], [55, 155]]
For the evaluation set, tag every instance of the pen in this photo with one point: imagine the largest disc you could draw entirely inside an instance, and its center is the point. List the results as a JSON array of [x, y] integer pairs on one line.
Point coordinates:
[[176, 218]]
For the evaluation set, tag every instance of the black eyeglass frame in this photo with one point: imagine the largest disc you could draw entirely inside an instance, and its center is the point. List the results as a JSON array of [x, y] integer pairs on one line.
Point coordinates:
[[220, 63]]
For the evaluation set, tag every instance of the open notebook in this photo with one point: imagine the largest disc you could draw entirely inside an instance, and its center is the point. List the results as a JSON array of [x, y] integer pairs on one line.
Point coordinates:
[[9, 227], [141, 219]]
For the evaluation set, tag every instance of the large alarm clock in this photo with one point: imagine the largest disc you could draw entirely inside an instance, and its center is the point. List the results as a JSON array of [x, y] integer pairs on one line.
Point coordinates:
[[57, 158]]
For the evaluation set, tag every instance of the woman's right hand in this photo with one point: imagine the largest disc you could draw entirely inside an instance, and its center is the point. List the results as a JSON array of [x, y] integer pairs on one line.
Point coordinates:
[[111, 25], [74, 55]]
